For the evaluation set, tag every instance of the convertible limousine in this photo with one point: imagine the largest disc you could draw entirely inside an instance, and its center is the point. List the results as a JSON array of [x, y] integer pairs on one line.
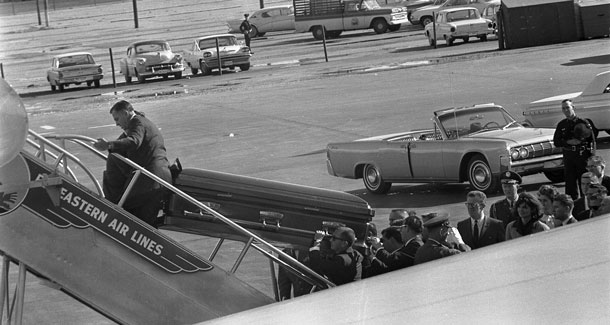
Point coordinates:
[[474, 144]]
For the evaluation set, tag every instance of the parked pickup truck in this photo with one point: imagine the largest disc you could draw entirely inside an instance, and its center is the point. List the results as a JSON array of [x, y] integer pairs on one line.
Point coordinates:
[[332, 17], [592, 103]]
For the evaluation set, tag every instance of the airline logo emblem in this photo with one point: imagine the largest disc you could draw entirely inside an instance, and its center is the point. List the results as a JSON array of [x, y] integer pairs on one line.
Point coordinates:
[[78, 208], [14, 184]]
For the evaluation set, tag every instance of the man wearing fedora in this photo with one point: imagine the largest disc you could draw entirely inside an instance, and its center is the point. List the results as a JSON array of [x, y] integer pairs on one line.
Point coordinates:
[[442, 240]]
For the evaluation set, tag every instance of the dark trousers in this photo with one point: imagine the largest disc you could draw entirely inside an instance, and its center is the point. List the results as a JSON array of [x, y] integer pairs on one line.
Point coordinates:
[[574, 164], [145, 198], [247, 38]]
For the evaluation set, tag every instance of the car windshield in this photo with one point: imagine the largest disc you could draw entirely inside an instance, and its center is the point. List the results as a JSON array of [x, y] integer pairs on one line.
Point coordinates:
[[152, 47], [462, 15], [370, 4], [222, 41], [67, 61], [469, 121]]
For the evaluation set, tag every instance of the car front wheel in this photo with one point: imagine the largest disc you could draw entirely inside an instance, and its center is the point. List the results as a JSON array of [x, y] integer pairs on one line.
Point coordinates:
[[380, 26], [253, 32], [480, 176], [194, 71], [205, 70], [244, 67], [178, 75], [373, 180], [431, 40]]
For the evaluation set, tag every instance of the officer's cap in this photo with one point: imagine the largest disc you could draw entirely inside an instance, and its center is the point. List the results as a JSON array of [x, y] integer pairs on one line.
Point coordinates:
[[510, 177], [435, 219], [413, 222]]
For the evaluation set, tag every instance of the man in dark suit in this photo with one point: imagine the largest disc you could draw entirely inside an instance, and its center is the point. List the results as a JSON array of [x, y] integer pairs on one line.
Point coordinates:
[[142, 143], [399, 246], [502, 210], [479, 230], [563, 205]]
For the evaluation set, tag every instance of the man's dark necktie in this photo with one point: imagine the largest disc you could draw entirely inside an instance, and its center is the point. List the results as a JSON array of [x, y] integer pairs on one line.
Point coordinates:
[[475, 233]]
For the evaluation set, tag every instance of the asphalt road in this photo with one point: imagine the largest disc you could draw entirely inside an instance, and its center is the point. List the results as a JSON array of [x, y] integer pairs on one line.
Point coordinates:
[[284, 111]]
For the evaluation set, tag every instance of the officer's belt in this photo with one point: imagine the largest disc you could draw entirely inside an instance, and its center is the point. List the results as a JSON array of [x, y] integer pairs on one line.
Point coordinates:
[[577, 148]]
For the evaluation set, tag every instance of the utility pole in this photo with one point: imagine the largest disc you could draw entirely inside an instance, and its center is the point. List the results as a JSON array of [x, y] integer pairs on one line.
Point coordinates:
[[135, 12]]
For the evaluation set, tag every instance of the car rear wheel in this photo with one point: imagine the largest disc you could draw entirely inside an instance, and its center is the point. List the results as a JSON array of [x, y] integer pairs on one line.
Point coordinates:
[[483, 38], [244, 67], [480, 176], [96, 83], [317, 32], [425, 20], [194, 71], [380, 26], [373, 181], [253, 32], [178, 75], [555, 176], [466, 39]]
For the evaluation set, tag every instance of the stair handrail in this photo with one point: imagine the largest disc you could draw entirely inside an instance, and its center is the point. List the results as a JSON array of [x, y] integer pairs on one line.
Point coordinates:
[[287, 261]]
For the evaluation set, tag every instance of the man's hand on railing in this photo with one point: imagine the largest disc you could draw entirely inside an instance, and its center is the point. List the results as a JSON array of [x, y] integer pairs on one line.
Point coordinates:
[[101, 144]]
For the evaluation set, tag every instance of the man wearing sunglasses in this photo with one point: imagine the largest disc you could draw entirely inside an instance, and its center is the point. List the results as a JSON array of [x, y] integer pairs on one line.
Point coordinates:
[[597, 166], [343, 264], [595, 196], [479, 230]]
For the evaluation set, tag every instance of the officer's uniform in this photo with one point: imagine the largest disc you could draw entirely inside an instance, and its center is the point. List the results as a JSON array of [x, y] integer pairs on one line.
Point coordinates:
[[502, 209], [574, 156]]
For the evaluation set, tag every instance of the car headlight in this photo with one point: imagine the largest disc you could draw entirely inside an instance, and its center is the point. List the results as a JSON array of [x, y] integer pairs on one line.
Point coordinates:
[[523, 153], [207, 54], [452, 29], [141, 60], [514, 154]]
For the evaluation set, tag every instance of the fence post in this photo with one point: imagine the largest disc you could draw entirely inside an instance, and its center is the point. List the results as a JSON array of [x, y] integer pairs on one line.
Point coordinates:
[[112, 67], [218, 57]]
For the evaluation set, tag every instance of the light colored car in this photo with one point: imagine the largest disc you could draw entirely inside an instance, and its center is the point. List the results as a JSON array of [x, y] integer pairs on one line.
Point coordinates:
[[592, 103], [74, 68], [203, 54], [423, 15], [474, 144], [149, 59], [490, 12], [462, 23], [270, 19]]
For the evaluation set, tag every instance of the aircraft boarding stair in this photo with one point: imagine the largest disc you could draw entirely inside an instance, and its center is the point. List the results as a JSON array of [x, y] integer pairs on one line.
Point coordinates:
[[66, 233]]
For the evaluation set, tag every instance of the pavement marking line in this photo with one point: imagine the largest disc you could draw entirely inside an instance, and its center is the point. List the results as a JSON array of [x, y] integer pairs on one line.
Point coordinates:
[[47, 127], [101, 126]]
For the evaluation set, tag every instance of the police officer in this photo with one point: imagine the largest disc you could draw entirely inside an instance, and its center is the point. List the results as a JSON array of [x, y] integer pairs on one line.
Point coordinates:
[[577, 138], [441, 239], [245, 28], [502, 209]]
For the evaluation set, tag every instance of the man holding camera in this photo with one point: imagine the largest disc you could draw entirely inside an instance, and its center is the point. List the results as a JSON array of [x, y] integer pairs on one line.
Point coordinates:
[[341, 264], [441, 239], [399, 247]]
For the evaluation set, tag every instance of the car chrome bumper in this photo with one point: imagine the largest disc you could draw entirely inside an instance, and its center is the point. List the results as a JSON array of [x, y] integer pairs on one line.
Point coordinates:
[[532, 166], [226, 63], [161, 72], [79, 79]]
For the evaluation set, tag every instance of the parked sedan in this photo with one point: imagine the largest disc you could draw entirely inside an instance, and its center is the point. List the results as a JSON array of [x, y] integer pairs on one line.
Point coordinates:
[[74, 68], [203, 55], [460, 23], [149, 59], [491, 12], [423, 15], [592, 103], [474, 144], [270, 19]]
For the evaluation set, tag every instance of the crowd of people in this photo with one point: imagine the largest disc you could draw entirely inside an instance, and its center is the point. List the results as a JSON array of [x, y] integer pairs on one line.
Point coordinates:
[[412, 239]]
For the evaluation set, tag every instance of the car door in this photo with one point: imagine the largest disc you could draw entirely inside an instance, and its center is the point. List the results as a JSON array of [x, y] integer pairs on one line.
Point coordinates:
[[441, 25], [264, 23], [284, 20], [54, 71], [353, 17], [426, 158]]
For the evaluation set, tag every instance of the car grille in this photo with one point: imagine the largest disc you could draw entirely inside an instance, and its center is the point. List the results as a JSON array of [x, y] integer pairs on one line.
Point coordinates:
[[163, 66], [541, 149]]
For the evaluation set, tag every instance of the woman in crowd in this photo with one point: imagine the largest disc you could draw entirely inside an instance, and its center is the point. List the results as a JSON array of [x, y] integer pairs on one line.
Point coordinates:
[[528, 211], [546, 196]]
